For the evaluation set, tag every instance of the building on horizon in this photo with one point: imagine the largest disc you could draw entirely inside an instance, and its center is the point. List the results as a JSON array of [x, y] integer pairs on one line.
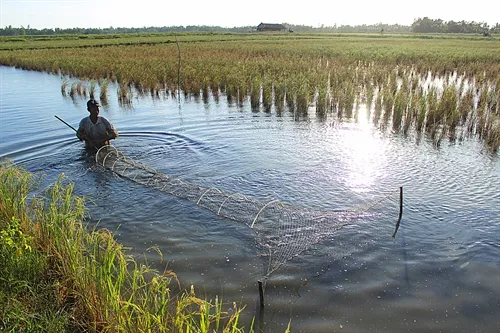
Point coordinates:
[[271, 27]]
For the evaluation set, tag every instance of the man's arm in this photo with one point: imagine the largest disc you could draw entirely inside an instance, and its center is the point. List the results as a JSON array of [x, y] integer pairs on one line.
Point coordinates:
[[80, 133], [111, 132]]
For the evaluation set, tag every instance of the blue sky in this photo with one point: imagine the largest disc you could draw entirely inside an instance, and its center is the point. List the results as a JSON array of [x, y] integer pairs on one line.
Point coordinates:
[[105, 13]]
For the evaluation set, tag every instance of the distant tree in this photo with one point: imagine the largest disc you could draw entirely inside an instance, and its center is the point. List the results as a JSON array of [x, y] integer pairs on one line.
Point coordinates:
[[427, 25], [453, 27], [8, 31]]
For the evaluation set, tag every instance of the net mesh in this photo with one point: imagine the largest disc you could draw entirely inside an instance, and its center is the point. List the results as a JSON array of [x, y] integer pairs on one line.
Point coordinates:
[[282, 230]]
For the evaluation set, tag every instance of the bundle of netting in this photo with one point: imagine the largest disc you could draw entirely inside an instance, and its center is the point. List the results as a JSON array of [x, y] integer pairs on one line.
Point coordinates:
[[282, 230]]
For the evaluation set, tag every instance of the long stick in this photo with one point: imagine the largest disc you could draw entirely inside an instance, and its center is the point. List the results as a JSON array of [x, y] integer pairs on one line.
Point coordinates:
[[66, 124], [74, 129]]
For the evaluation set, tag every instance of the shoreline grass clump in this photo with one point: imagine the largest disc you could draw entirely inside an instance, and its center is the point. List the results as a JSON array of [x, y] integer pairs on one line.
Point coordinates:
[[400, 103], [255, 95], [55, 275], [124, 94], [92, 89], [493, 138], [64, 86]]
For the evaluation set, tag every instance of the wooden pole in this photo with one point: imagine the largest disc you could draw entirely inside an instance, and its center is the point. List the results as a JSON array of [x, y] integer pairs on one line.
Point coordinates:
[[400, 211], [178, 70], [74, 129], [261, 294]]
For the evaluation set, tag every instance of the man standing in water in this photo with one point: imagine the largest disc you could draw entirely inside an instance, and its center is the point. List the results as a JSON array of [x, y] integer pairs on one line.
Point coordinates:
[[95, 130]]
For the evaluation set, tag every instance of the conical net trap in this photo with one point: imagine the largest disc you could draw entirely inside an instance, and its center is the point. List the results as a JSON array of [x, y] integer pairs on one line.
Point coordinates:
[[283, 230]]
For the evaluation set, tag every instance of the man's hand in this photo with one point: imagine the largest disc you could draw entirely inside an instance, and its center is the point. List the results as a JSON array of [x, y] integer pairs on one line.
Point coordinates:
[[81, 135], [110, 134]]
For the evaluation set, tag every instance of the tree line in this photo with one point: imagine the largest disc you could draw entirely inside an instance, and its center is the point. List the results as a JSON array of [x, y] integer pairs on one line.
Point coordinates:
[[22, 31], [428, 25], [420, 25]]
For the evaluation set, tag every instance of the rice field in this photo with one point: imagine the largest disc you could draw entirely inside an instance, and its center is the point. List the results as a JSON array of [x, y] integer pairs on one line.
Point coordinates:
[[443, 88]]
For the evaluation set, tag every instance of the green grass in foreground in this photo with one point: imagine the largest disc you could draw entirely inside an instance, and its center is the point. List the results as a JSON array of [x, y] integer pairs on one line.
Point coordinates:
[[55, 276]]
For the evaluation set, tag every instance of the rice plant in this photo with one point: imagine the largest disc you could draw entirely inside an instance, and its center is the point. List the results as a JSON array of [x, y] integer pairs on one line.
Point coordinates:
[[387, 104], [73, 91], [339, 69], [279, 97], [448, 110], [492, 140], [322, 100], [400, 104], [92, 89], [255, 95], [124, 94], [432, 119], [267, 97], [370, 92], [64, 86], [421, 111]]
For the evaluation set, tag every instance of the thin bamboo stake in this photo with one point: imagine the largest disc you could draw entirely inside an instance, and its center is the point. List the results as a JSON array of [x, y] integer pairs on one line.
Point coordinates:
[[400, 211], [178, 70], [261, 294]]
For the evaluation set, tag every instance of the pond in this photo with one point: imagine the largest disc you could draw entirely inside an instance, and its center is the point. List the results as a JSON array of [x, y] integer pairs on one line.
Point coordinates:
[[440, 273]]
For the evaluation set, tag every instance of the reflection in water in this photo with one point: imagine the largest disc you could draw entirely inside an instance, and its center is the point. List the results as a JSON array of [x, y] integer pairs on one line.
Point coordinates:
[[441, 273], [365, 159]]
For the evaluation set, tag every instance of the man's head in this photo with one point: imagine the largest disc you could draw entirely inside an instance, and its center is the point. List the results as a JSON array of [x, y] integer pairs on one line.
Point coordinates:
[[93, 106]]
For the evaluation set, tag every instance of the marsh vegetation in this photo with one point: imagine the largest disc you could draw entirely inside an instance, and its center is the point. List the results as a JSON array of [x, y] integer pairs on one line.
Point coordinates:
[[58, 276], [445, 88]]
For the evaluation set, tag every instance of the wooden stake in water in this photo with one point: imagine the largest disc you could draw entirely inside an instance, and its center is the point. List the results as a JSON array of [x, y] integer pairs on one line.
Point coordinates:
[[400, 211], [178, 70], [261, 294]]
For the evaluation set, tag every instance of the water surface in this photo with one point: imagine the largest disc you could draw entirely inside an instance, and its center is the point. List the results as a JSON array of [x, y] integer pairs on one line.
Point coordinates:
[[441, 273]]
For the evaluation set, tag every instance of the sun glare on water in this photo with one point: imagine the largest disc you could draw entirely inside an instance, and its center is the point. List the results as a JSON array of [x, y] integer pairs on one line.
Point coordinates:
[[364, 155]]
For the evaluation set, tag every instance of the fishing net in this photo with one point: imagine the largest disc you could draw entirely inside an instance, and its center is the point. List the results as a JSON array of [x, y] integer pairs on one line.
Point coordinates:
[[282, 230]]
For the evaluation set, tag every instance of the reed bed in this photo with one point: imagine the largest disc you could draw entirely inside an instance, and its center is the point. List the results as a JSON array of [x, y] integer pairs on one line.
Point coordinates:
[[56, 275], [103, 94], [333, 75]]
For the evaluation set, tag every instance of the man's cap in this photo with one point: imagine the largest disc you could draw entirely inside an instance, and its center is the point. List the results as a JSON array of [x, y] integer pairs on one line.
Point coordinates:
[[92, 102]]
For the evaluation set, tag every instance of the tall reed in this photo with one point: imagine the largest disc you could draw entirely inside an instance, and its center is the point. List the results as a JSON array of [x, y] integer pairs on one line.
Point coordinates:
[[124, 94], [387, 104], [255, 94], [64, 87], [432, 119], [421, 111], [267, 97], [92, 89], [400, 103], [298, 67], [279, 97], [95, 285], [493, 138], [377, 112], [448, 110], [103, 91]]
